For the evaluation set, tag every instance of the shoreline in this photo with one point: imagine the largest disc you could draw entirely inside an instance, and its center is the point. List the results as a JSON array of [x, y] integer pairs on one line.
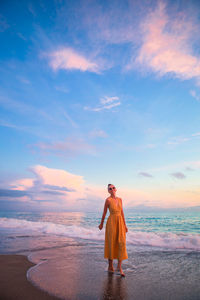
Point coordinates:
[[79, 271], [14, 284]]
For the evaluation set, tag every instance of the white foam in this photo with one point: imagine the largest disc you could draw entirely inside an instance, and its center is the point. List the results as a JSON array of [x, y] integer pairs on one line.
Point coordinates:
[[164, 240], [52, 228]]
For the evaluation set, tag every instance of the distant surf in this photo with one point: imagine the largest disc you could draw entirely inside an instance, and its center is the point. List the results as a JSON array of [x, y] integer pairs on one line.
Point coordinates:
[[167, 240]]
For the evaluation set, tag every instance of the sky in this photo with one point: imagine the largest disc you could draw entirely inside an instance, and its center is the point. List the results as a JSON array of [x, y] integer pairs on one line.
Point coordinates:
[[97, 92]]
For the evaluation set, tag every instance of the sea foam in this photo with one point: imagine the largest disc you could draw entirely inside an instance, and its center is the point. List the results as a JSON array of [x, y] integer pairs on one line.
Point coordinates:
[[140, 238]]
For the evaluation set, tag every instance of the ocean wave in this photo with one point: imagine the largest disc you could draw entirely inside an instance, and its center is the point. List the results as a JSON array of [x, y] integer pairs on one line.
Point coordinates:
[[165, 240], [154, 239]]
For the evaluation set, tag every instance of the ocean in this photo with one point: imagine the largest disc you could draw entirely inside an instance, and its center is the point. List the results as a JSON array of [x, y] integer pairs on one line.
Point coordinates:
[[163, 250]]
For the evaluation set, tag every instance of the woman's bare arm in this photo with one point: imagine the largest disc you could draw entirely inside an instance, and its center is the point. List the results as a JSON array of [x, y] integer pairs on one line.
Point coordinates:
[[104, 213], [122, 213]]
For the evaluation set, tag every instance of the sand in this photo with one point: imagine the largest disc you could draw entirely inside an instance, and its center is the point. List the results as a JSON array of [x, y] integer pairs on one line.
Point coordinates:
[[80, 273], [13, 282]]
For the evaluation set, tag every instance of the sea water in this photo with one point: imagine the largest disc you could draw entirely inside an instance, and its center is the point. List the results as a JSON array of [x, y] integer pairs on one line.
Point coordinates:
[[167, 230], [163, 250]]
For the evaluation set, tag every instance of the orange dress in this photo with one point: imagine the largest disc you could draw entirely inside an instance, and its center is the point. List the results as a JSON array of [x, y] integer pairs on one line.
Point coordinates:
[[115, 233]]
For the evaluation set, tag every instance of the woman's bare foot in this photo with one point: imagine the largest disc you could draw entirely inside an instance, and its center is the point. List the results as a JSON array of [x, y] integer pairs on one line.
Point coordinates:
[[120, 271]]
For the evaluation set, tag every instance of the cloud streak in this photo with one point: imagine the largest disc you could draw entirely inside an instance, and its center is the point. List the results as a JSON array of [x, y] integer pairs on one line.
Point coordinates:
[[194, 94], [69, 59], [70, 147], [98, 133], [106, 104], [12, 193], [178, 140], [166, 45], [145, 174], [178, 175]]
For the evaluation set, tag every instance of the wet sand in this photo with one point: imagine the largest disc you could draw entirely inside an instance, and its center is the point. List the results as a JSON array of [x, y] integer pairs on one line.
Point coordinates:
[[13, 282], [80, 273]]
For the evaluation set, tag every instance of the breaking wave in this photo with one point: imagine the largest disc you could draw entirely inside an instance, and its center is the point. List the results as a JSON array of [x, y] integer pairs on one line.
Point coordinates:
[[154, 239]]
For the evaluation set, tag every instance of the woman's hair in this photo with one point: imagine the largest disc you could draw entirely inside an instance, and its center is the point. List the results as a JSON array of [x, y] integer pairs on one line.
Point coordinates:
[[109, 184]]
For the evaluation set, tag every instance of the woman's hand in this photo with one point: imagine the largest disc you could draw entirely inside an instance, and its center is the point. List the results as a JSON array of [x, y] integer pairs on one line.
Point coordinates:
[[100, 226], [126, 228]]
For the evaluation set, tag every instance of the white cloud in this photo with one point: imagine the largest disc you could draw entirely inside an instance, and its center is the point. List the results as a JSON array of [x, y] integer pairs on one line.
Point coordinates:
[[107, 99], [178, 140], [106, 103], [57, 177], [195, 95], [196, 134], [69, 59]]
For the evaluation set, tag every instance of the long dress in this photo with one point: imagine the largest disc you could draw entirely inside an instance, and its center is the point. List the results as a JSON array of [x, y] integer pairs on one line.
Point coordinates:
[[115, 233]]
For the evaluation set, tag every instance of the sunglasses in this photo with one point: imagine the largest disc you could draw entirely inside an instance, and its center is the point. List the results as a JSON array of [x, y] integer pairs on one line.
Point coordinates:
[[111, 188]]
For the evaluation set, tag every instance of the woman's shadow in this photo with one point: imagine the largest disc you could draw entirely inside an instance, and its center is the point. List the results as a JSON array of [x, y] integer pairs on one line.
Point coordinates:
[[114, 287]]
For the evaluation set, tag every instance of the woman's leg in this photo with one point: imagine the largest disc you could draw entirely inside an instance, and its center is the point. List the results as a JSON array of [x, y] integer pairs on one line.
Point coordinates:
[[110, 267], [119, 267]]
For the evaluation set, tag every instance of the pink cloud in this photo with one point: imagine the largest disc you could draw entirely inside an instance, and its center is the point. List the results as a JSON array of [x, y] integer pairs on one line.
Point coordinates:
[[68, 59], [167, 45], [70, 147], [57, 177], [59, 189], [23, 184], [196, 134]]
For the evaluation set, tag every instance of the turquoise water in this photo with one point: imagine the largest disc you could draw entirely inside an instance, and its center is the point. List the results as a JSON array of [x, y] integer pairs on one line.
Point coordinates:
[[147, 222], [160, 229]]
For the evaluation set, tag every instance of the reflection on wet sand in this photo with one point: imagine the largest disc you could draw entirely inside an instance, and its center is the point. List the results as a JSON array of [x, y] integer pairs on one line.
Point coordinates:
[[114, 287]]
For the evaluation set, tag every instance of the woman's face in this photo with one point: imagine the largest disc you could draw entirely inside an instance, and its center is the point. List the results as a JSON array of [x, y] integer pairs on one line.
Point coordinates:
[[112, 189]]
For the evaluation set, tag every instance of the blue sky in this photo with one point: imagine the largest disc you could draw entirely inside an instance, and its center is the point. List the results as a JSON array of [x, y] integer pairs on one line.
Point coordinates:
[[98, 92]]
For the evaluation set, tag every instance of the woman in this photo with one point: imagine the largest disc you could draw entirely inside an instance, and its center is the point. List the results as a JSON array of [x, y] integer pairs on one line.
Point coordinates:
[[115, 234]]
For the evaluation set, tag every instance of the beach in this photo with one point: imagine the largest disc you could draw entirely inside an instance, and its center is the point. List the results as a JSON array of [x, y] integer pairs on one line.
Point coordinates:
[[13, 282], [51, 256], [80, 273]]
